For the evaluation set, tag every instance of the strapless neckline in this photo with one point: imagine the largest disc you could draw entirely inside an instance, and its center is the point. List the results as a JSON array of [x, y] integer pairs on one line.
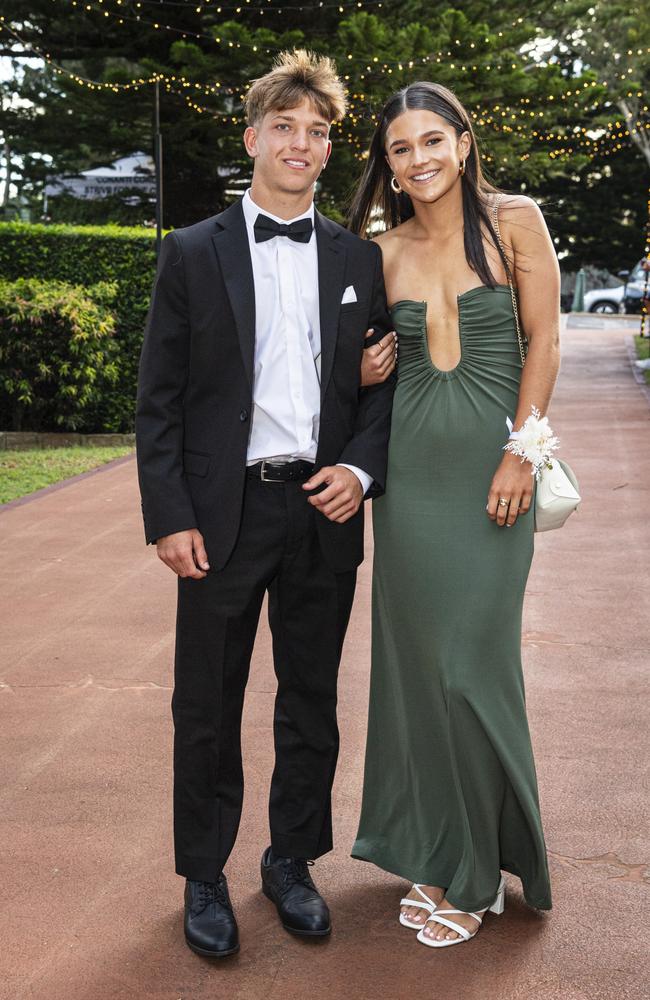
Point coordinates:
[[445, 374], [468, 291]]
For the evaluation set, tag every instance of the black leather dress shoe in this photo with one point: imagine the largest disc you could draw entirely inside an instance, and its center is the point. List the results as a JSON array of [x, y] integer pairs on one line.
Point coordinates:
[[288, 884], [210, 925]]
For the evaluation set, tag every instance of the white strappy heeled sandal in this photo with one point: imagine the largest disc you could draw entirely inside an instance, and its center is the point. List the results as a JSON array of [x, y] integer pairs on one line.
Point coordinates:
[[497, 907], [426, 904]]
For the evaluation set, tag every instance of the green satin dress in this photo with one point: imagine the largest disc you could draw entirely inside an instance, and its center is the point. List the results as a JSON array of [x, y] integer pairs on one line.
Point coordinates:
[[450, 791]]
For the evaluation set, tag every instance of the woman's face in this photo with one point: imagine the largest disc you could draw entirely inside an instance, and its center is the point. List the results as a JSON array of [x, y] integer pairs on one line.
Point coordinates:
[[425, 154]]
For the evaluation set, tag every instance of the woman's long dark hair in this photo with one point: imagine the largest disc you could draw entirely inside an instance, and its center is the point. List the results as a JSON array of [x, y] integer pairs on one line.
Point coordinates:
[[376, 200]]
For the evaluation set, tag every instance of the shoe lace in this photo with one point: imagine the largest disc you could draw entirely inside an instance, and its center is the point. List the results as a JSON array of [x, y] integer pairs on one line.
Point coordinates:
[[212, 892], [297, 870]]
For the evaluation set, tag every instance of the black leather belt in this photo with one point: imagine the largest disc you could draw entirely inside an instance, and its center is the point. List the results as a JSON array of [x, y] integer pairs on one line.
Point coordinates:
[[281, 472]]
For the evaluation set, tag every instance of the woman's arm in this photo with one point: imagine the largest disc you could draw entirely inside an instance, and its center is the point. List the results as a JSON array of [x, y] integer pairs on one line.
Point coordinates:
[[537, 276], [380, 355], [378, 360]]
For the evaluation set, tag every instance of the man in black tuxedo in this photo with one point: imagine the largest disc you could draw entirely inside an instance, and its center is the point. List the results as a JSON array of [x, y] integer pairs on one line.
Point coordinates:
[[256, 444]]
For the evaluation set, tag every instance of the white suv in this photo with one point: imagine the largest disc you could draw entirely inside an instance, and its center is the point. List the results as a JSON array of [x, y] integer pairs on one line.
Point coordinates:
[[610, 300]]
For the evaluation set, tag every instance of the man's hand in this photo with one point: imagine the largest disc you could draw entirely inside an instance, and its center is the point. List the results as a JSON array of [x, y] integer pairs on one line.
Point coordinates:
[[340, 500], [379, 360], [184, 552]]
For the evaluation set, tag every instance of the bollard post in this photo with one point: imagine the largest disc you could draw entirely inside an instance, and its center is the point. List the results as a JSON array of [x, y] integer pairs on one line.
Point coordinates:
[[646, 268], [578, 304], [158, 161]]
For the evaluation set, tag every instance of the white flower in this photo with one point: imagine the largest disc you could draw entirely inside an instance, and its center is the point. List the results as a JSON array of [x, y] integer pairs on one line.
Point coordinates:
[[534, 442]]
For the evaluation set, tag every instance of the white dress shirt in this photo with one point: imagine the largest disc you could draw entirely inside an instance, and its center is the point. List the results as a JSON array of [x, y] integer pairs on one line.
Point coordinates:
[[286, 386]]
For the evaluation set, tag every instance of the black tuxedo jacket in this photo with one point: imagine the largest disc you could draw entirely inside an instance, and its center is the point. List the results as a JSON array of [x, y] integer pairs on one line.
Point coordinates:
[[195, 387]]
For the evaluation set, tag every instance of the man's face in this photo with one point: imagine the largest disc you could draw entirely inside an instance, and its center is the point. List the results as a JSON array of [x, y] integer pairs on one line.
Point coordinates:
[[289, 148]]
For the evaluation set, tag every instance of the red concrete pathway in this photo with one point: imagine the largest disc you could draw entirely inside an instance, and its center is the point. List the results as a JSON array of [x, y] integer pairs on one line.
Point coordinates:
[[90, 905]]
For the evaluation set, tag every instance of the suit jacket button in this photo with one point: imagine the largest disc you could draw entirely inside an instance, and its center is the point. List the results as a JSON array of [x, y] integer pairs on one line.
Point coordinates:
[[243, 415]]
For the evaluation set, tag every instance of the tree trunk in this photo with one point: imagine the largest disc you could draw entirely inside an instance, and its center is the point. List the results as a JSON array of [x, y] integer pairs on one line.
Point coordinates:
[[17, 416], [639, 137], [7, 159]]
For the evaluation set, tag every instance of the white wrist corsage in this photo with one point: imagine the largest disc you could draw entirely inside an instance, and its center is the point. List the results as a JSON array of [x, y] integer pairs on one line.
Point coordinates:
[[534, 442]]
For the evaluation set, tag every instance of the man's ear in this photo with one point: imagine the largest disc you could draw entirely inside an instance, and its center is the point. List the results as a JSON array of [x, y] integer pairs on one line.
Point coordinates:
[[250, 141], [328, 153]]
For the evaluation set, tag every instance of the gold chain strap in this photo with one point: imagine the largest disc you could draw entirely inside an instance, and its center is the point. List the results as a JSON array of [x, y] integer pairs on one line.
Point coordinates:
[[515, 307]]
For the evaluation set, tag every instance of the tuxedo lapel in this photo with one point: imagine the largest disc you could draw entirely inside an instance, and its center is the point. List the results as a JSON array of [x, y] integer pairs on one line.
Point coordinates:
[[233, 251], [331, 273]]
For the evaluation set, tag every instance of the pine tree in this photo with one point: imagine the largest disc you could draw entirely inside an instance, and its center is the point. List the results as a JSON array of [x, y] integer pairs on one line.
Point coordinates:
[[541, 121]]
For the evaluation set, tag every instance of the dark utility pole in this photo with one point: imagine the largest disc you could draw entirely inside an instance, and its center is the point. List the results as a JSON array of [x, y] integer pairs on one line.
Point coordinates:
[[157, 146]]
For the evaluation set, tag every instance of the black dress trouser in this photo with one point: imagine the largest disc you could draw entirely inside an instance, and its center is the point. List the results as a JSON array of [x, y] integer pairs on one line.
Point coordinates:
[[309, 608]]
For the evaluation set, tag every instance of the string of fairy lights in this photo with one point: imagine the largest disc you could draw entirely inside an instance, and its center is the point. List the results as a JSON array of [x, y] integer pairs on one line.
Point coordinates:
[[122, 17], [249, 6], [501, 118], [99, 6], [577, 141], [375, 66], [178, 79], [237, 7]]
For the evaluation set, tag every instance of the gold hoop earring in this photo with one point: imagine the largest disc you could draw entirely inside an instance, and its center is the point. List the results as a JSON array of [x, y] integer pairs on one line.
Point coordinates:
[[461, 169], [395, 185]]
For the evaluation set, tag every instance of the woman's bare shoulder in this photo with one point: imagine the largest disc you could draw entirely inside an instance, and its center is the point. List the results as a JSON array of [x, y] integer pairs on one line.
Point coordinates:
[[519, 209], [391, 239], [525, 230], [386, 238]]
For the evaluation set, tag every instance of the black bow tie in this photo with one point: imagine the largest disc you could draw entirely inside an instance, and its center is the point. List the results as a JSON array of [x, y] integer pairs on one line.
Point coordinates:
[[266, 229]]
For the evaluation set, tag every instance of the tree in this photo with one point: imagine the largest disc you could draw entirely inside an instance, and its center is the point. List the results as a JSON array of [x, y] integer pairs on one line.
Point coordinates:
[[598, 213], [612, 38], [541, 111]]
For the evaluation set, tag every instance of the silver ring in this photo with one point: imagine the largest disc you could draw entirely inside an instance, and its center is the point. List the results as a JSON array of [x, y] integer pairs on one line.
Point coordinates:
[[503, 502]]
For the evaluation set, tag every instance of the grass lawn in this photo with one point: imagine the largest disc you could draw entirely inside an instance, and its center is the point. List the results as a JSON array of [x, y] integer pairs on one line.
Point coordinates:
[[23, 471], [643, 351]]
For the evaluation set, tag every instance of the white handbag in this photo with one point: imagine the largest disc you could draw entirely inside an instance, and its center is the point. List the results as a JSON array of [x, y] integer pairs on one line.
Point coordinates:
[[557, 492], [556, 495]]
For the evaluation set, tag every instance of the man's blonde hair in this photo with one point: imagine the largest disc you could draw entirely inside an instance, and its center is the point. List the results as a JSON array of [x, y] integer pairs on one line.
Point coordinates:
[[295, 76]]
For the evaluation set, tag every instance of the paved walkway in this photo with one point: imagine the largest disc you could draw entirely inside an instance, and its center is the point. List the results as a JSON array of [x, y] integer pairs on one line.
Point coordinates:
[[91, 908]]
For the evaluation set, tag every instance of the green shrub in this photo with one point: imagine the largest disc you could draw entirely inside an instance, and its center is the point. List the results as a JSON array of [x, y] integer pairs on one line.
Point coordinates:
[[86, 255], [57, 352]]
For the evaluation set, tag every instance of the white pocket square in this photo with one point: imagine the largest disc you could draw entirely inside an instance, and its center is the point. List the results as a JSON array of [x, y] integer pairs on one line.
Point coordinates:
[[349, 295]]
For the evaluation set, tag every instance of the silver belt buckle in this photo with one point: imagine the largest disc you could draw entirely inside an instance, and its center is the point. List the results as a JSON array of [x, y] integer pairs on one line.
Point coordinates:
[[263, 470]]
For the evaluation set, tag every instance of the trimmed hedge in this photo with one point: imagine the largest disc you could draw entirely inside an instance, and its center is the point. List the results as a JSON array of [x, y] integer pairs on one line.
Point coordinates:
[[88, 255], [57, 352]]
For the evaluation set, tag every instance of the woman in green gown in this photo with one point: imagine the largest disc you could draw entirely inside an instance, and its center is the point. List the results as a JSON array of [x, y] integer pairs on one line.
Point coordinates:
[[450, 793]]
